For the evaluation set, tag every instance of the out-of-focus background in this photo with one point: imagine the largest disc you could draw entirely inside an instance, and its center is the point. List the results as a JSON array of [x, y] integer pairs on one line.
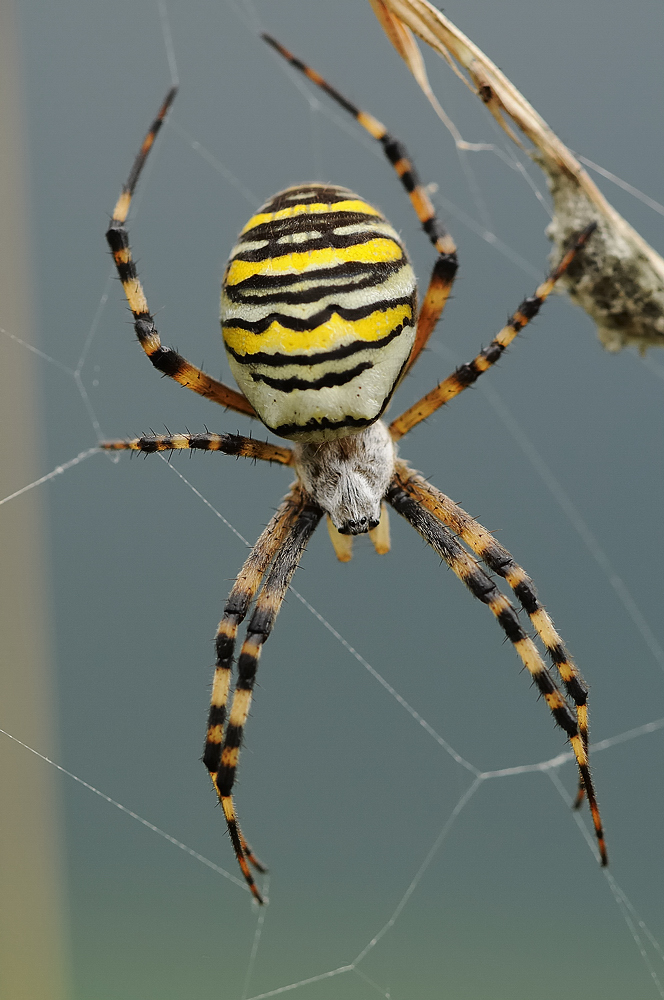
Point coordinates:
[[341, 790]]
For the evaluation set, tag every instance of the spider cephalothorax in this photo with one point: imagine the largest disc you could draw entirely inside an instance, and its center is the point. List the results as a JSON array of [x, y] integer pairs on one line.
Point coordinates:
[[320, 324], [349, 476]]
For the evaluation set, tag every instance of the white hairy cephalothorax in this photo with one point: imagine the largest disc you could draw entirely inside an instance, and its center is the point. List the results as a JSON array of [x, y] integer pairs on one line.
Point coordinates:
[[348, 477]]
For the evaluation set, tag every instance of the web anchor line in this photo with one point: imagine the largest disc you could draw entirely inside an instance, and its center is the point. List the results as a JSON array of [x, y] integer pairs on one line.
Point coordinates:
[[129, 812], [57, 471]]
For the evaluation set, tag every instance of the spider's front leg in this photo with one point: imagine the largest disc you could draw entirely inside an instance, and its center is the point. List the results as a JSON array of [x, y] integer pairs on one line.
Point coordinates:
[[280, 548], [500, 561], [432, 528]]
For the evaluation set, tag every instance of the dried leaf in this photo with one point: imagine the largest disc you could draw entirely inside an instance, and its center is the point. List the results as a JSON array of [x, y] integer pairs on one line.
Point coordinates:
[[619, 280]]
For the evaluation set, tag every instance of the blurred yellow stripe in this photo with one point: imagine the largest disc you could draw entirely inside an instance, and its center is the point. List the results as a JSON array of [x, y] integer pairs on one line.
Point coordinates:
[[33, 960]]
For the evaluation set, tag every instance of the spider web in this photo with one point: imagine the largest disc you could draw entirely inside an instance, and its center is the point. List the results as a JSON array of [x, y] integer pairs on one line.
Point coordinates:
[[424, 879]]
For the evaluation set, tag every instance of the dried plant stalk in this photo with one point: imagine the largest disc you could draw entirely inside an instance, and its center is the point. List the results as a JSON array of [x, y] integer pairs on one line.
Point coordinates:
[[619, 279]]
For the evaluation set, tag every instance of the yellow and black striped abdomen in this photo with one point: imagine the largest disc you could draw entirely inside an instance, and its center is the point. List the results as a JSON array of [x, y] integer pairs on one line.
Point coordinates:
[[318, 312]]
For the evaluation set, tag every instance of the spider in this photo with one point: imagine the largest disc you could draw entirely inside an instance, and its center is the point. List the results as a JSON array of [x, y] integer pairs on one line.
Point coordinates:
[[320, 324]]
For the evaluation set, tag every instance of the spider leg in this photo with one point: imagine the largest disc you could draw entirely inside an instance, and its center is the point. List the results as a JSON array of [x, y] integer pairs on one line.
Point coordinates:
[[229, 444], [445, 267], [243, 592], [500, 561], [465, 567], [467, 374], [298, 524], [580, 795], [165, 360]]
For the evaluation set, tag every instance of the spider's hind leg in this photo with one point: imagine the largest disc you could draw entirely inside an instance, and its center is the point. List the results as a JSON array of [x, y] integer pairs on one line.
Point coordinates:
[[164, 359], [446, 264]]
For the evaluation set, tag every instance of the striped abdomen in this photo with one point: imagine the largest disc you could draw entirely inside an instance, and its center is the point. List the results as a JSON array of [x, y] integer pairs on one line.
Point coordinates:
[[318, 311]]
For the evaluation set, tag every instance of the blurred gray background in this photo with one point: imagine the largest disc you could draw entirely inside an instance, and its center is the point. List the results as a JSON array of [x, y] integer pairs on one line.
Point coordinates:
[[340, 790]]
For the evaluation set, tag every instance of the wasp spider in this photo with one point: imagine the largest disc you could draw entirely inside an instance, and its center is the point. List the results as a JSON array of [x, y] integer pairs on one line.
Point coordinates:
[[320, 324]]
